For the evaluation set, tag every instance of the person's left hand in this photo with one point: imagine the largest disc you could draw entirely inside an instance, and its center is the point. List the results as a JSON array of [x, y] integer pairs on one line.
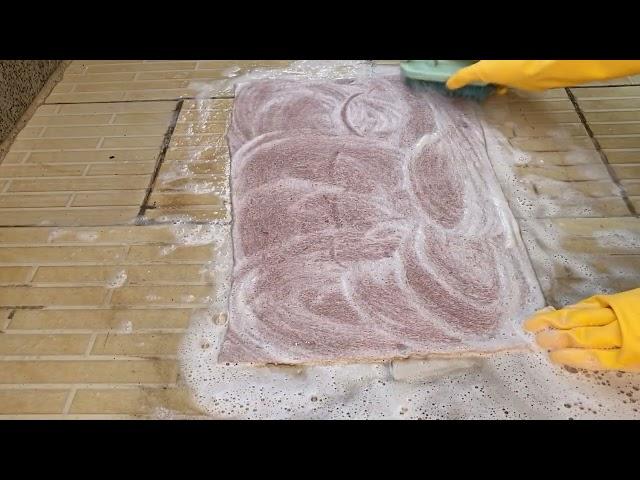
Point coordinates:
[[599, 333]]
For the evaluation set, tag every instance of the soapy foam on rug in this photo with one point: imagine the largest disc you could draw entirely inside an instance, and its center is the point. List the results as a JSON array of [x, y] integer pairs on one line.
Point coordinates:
[[367, 225]]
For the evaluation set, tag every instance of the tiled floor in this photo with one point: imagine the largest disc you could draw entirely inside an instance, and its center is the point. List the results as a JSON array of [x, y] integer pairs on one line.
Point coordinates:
[[98, 283]]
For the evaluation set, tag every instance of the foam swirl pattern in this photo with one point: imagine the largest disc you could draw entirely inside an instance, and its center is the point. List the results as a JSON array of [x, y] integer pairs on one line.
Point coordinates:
[[367, 225]]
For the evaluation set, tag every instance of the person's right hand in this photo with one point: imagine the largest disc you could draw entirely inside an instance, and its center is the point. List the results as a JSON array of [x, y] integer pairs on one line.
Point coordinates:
[[599, 333], [541, 74]]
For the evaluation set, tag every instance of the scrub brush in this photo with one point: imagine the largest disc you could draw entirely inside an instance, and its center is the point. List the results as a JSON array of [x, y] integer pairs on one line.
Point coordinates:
[[433, 74]]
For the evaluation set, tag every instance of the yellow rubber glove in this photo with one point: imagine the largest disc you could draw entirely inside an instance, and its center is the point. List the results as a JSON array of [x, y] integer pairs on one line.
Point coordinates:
[[542, 74], [599, 333]]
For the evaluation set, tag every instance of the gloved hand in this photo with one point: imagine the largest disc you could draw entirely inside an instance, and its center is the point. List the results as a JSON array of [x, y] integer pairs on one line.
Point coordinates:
[[599, 333], [542, 74]]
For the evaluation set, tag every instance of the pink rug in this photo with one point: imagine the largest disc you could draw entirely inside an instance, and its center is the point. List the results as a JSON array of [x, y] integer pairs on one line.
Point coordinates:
[[367, 225]]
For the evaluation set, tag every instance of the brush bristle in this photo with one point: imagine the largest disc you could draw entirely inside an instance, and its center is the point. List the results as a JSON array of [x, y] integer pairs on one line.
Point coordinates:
[[473, 92]]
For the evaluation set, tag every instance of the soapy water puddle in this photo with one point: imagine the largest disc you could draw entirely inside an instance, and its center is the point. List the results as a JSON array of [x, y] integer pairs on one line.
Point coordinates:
[[520, 385]]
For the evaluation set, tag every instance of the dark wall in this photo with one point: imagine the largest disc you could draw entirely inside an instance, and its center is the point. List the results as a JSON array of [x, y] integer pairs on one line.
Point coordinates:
[[20, 82]]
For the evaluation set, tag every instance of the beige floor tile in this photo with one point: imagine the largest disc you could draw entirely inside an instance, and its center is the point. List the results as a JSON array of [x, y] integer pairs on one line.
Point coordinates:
[[148, 67], [131, 401], [30, 132], [47, 110], [41, 170], [559, 190], [90, 156], [551, 144], [14, 157], [15, 275], [612, 116], [30, 401], [177, 200], [77, 131], [127, 274], [632, 187], [604, 92], [128, 86], [68, 216], [16, 200], [116, 235], [171, 253], [610, 141], [188, 169], [133, 107], [160, 295], [627, 171], [622, 156], [142, 118], [100, 320], [198, 183], [22, 344], [136, 344], [591, 105], [194, 213], [54, 144], [562, 130], [551, 105], [630, 128], [98, 77], [51, 296], [567, 158], [86, 97], [211, 152], [566, 173], [150, 371], [61, 254], [129, 182], [121, 168], [23, 236], [133, 142], [122, 197], [211, 127]]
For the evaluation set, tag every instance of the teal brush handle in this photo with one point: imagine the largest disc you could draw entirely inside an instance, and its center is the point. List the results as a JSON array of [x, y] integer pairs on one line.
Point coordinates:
[[435, 70]]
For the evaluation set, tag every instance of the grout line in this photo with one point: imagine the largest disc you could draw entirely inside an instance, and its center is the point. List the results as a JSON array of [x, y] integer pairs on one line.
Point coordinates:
[[97, 331], [101, 416], [603, 156], [55, 192], [119, 358], [102, 386], [92, 342], [222, 97], [8, 320], [108, 297], [70, 397], [32, 273], [608, 86], [161, 156]]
